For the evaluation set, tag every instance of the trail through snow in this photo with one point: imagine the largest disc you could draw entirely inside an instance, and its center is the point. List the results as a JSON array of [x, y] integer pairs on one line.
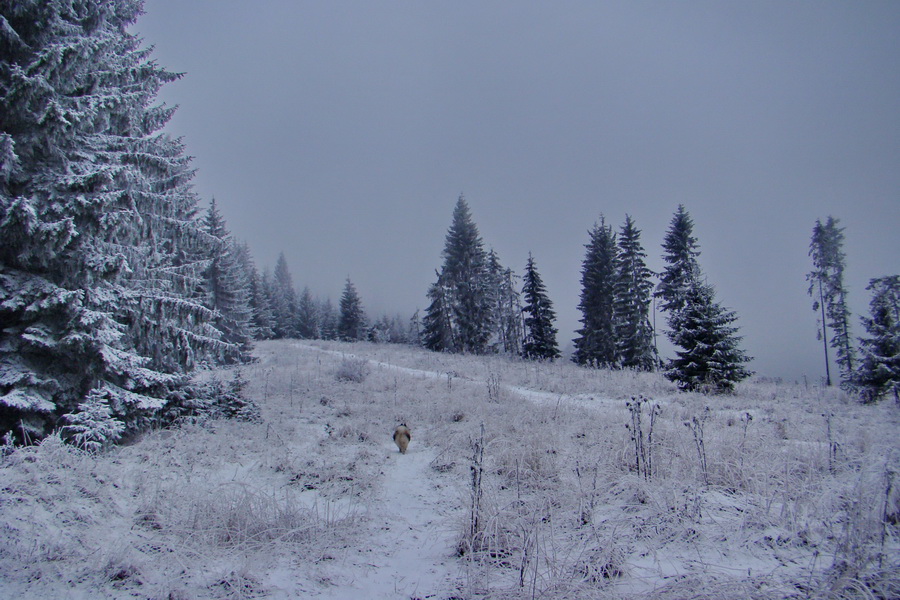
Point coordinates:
[[411, 550], [410, 553], [536, 396]]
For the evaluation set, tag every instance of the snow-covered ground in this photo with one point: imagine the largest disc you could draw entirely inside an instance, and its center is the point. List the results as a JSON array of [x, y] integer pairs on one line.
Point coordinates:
[[753, 498]]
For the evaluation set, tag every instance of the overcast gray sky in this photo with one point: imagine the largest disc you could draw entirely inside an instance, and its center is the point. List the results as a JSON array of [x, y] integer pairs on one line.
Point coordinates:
[[342, 133]]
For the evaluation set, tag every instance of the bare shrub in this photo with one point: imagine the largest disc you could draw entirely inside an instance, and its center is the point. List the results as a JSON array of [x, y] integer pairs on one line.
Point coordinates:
[[352, 369]]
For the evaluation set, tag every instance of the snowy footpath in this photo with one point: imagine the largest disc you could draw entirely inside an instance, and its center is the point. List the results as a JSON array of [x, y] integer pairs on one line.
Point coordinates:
[[409, 553], [536, 396]]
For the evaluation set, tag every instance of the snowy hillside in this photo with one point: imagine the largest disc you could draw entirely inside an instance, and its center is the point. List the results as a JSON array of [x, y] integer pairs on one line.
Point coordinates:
[[581, 489]]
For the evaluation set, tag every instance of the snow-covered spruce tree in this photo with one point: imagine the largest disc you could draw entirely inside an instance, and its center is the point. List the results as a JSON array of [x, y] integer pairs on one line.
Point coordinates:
[[634, 334], [540, 334], [307, 316], [879, 370], [414, 330], [380, 331], [507, 312], [352, 326], [709, 359], [99, 247], [284, 300], [826, 287], [261, 319], [682, 269], [93, 426], [596, 341], [465, 311], [391, 330], [328, 319], [227, 288], [437, 325]]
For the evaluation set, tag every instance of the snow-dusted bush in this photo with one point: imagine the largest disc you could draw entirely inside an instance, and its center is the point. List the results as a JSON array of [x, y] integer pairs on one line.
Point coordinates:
[[352, 369], [202, 401], [93, 427]]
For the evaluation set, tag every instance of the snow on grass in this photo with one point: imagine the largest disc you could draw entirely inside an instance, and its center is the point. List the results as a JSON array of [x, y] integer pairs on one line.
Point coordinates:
[[760, 496]]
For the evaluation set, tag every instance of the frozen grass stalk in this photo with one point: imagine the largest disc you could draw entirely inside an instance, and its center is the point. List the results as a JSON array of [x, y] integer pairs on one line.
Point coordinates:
[[889, 476], [833, 446], [643, 452], [493, 385], [696, 427], [745, 422], [472, 541]]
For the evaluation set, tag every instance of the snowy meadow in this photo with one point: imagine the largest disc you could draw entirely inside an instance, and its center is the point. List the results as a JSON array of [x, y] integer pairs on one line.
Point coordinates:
[[523, 480]]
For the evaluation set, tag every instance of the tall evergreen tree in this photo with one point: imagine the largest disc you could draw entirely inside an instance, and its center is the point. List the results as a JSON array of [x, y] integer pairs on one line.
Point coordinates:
[[540, 334], [414, 330], [328, 319], [261, 319], [709, 359], [352, 321], [99, 269], [596, 341], [227, 289], [879, 370], [307, 317], [826, 287], [437, 325], [284, 300], [682, 269], [507, 307], [463, 317], [634, 334]]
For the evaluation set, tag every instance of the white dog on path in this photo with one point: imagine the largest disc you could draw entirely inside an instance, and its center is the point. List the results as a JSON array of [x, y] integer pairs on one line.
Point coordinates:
[[402, 436]]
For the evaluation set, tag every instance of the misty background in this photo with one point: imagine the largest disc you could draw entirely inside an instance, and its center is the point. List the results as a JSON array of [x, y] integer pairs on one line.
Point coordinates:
[[342, 133]]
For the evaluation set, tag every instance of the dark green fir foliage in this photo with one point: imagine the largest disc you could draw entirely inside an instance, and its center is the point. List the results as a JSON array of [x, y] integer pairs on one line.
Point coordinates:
[[680, 252], [634, 334], [100, 252], [460, 316], [879, 369], [352, 325], [284, 300], [709, 359], [826, 287], [227, 288], [540, 334], [596, 341]]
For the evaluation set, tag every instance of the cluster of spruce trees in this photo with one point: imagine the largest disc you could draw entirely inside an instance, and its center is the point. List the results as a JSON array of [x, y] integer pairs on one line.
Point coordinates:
[[873, 371], [475, 306], [279, 312]]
